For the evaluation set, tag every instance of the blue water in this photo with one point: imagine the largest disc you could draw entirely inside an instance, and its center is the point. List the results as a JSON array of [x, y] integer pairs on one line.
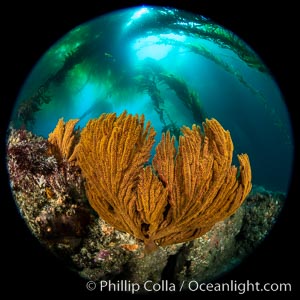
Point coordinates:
[[119, 51]]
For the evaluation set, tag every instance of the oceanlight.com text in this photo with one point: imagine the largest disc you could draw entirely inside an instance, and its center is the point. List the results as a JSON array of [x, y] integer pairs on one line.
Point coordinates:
[[239, 287]]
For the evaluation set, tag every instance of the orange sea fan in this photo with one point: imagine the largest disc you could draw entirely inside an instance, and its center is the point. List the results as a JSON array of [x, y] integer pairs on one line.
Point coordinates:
[[63, 139], [176, 199]]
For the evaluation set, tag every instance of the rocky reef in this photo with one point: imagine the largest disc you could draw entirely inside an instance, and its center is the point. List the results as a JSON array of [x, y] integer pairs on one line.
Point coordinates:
[[50, 193]]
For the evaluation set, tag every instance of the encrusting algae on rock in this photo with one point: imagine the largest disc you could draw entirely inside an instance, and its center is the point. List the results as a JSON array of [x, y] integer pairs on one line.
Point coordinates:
[[48, 189], [176, 199]]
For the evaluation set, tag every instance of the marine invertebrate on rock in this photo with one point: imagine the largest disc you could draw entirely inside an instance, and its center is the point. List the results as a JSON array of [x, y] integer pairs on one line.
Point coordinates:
[[63, 139], [27, 160], [177, 199]]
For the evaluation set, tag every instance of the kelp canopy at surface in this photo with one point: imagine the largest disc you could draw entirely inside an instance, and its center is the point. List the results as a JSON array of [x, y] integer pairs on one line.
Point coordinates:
[[179, 22], [90, 51]]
